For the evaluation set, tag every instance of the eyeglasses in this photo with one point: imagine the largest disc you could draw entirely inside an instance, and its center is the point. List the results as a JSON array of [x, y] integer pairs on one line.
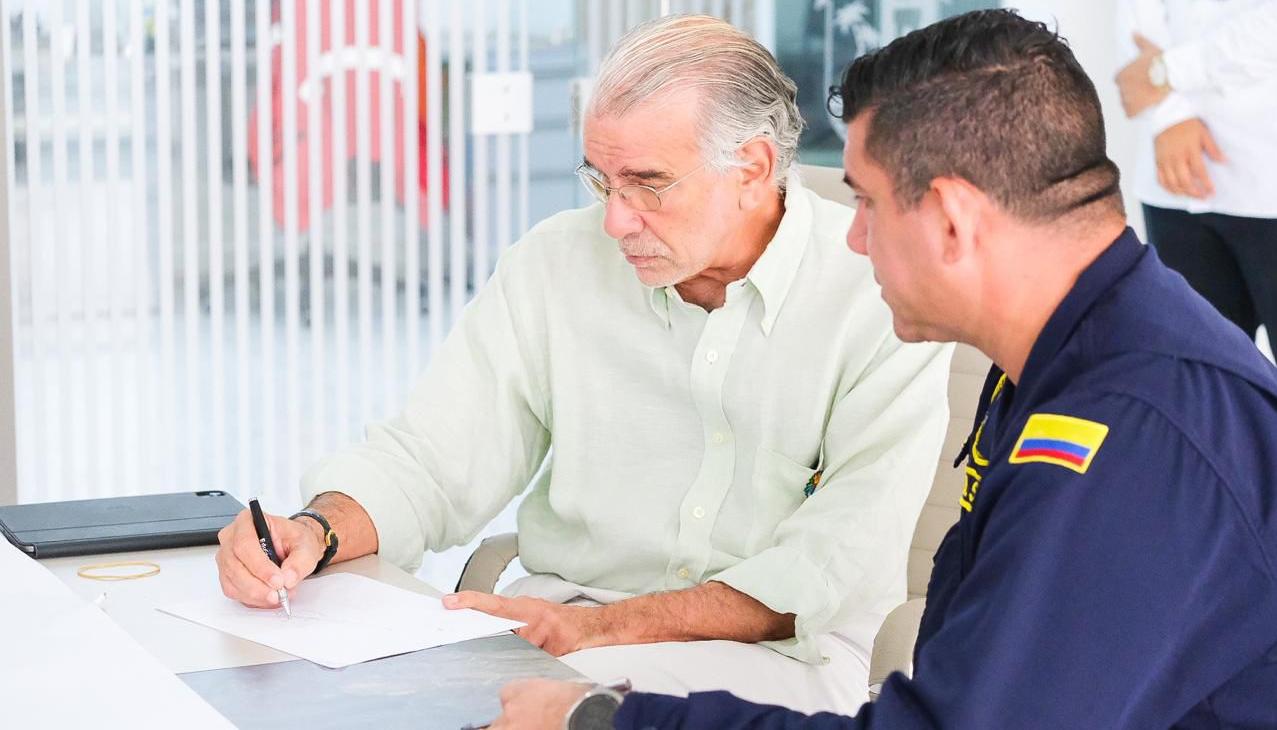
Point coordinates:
[[642, 198]]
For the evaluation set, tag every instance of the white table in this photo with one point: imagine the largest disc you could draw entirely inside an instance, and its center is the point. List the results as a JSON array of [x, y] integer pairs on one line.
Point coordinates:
[[186, 573]]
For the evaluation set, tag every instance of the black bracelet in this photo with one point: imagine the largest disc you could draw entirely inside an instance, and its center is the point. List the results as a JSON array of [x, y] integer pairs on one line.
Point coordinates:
[[330, 537]]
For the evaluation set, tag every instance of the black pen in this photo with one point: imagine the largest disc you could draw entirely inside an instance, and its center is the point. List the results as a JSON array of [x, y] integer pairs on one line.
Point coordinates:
[[268, 547]]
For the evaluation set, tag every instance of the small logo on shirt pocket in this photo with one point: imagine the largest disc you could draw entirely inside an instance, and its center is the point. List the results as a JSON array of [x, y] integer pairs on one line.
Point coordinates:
[[813, 484]]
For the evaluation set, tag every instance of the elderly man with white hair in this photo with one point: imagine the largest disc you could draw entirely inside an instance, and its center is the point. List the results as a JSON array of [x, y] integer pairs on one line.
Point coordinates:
[[726, 444]]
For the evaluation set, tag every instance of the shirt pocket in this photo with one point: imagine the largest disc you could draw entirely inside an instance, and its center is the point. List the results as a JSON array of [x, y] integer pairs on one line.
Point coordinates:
[[778, 491]]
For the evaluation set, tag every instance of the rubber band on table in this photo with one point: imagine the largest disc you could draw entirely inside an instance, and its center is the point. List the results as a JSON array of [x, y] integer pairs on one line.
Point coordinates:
[[91, 571]]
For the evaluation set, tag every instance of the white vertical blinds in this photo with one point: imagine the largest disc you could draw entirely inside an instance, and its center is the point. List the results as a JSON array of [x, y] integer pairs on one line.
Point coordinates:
[[239, 228]]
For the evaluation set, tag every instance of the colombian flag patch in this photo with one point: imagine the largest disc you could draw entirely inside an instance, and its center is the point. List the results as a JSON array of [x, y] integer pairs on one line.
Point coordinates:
[[1061, 440]]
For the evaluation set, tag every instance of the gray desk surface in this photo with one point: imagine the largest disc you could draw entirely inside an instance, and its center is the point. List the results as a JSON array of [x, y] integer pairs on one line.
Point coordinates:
[[256, 686], [446, 687]]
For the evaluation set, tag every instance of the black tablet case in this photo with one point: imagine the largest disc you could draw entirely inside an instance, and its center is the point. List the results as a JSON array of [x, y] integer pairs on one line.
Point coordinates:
[[118, 524]]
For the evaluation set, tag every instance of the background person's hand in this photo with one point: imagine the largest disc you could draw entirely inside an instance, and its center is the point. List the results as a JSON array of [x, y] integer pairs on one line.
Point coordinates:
[[1137, 91], [537, 704], [248, 576], [1180, 151], [556, 628]]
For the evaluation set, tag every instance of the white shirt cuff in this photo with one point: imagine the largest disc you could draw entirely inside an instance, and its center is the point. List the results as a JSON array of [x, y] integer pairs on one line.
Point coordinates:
[[785, 581], [1175, 108], [1185, 67], [399, 538]]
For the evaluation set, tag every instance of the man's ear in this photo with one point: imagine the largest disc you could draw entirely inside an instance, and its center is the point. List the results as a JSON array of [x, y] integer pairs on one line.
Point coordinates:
[[961, 205], [757, 172]]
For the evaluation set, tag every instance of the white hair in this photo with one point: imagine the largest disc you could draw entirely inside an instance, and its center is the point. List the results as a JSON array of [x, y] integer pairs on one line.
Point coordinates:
[[743, 93]]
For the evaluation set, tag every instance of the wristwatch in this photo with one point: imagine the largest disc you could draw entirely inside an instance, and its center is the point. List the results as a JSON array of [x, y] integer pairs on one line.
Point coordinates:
[[595, 710], [330, 537], [1157, 73]]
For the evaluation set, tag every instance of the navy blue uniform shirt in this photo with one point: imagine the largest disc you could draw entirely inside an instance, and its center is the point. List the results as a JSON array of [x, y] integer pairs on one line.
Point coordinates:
[[1113, 565]]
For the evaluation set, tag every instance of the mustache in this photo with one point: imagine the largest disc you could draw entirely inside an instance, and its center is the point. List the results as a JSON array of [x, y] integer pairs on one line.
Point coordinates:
[[641, 248]]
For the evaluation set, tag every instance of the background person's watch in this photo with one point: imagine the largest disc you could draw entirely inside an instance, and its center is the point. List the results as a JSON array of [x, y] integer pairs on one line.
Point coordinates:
[[1157, 73], [595, 710]]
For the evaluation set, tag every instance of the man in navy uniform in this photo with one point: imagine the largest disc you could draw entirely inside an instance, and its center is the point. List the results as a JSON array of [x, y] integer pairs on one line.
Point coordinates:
[[1115, 563]]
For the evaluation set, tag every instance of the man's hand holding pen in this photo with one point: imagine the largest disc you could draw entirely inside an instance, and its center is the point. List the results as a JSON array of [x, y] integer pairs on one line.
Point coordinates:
[[246, 573]]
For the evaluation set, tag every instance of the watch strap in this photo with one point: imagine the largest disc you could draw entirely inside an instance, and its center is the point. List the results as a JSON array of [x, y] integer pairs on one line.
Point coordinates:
[[330, 537]]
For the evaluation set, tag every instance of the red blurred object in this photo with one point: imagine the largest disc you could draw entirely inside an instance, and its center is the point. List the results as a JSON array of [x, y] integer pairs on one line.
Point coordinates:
[[348, 60]]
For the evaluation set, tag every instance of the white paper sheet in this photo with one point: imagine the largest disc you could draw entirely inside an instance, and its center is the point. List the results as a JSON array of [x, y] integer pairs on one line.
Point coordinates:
[[344, 619], [66, 664]]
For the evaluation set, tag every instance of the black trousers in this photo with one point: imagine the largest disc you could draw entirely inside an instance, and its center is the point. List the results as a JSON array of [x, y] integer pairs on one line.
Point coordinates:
[[1228, 259]]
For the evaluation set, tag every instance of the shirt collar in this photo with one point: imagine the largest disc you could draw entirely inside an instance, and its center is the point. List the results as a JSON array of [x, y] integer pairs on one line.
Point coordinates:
[[1095, 280], [774, 272]]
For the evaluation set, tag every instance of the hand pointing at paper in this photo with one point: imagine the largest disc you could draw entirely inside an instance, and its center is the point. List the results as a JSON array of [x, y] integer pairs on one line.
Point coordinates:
[[556, 628], [711, 610]]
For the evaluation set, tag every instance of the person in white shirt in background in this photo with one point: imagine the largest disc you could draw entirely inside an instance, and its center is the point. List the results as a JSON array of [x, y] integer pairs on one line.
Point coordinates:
[[741, 445], [1202, 80]]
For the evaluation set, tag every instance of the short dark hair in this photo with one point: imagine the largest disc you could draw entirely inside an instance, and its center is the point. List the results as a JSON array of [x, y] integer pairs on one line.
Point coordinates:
[[994, 99]]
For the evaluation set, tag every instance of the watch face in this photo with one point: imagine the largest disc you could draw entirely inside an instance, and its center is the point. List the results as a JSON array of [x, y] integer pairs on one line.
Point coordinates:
[[1157, 72], [594, 712]]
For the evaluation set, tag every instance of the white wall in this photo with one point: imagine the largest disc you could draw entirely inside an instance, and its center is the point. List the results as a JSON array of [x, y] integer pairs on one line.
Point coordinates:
[[1088, 26]]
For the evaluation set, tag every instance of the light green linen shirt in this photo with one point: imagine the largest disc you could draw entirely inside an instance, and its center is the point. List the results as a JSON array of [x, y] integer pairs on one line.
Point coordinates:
[[682, 439]]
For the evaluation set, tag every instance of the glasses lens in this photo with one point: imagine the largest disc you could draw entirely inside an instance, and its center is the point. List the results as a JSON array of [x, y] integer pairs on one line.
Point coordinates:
[[640, 197], [593, 186]]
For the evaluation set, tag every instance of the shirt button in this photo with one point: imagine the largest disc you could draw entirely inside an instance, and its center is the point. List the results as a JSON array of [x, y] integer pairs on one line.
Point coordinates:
[[682, 573], [718, 437], [711, 357], [698, 513]]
